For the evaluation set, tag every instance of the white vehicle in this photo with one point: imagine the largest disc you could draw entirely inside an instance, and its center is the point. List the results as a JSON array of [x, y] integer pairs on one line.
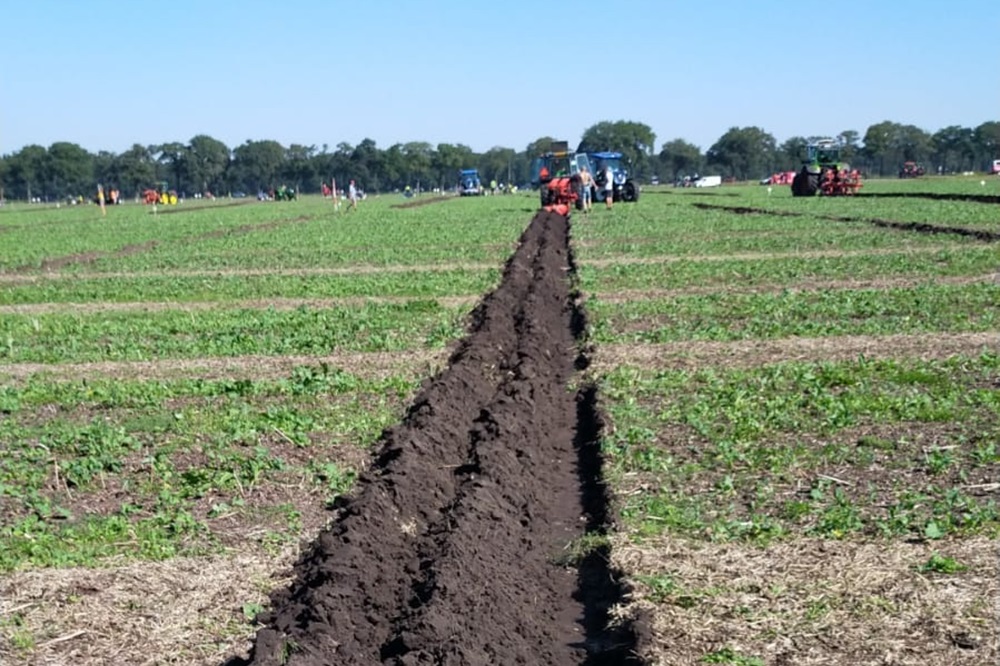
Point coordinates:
[[708, 181], [995, 169]]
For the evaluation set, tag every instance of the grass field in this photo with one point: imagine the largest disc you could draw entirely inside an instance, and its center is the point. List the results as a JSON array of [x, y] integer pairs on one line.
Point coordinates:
[[803, 413]]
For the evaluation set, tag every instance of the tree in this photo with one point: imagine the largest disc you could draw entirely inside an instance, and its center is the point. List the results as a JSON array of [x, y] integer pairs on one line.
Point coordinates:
[[792, 153], [417, 160], [171, 157], [848, 140], [69, 170], [987, 142], [879, 143], [635, 141], [27, 172], [743, 153], [679, 158], [954, 148], [137, 169], [257, 164], [449, 160], [205, 162], [498, 164]]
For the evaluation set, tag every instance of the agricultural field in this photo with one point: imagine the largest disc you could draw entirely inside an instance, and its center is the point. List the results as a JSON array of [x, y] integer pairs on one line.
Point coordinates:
[[723, 426]]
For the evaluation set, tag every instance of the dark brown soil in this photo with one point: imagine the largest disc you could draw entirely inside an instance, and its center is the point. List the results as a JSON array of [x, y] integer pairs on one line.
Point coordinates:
[[461, 545], [920, 227], [56, 263], [416, 203]]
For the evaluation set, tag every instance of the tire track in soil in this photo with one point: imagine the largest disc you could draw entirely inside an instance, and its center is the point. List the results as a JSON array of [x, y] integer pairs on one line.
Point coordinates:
[[920, 227], [453, 548]]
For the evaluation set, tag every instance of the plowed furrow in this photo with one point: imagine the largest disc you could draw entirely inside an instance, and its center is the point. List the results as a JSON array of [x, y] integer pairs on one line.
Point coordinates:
[[453, 549]]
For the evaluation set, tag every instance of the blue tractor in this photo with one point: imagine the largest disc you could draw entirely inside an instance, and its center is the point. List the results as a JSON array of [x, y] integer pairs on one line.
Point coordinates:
[[469, 184], [625, 189]]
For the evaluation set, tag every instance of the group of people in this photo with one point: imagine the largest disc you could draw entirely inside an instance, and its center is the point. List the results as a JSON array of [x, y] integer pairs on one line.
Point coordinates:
[[588, 184]]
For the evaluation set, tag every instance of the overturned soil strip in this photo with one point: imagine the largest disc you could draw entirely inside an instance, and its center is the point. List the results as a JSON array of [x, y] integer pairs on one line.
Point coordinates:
[[247, 304], [420, 202], [935, 196], [694, 354], [375, 365], [171, 210], [920, 227], [457, 546], [628, 295]]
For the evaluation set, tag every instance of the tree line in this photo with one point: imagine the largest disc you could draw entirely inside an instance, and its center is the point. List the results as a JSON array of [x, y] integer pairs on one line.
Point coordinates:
[[205, 164]]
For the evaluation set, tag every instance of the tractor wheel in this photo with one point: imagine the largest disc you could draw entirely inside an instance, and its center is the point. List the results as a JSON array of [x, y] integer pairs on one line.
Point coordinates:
[[629, 191], [805, 184]]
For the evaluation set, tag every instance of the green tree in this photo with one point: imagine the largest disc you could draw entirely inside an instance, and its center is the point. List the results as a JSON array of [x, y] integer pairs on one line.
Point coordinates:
[[27, 172], [635, 141], [257, 165], [205, 162], [954, 148], [299, 168], [137, 169], [448, 160], [170, 156], [849, 141], [418, 157], [792, 153], [498, 164], [987, 142], [679, 158], [743, 153], [879, 145], [69, 170]]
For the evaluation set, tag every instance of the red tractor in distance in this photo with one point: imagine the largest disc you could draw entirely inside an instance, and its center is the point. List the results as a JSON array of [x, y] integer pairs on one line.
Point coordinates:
[[557, 176], [911, 170]]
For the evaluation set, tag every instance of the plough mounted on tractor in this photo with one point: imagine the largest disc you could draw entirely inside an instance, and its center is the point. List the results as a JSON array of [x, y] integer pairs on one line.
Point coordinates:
[[824, 173], [557, 176]]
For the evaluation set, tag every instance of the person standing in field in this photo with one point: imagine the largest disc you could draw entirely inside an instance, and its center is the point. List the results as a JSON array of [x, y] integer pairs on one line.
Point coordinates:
[[609, 186], [100, 199], [586, 182], [352, 196]]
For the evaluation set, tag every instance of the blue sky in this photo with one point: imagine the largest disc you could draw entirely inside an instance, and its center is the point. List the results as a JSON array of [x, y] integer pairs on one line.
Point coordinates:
[[109, 74]]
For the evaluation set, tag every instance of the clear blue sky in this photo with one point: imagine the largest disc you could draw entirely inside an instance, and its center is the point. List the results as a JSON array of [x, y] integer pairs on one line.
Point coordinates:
[[109, 74]]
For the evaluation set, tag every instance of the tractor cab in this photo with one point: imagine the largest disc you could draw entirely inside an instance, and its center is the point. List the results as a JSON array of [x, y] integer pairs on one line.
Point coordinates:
[[823, 153], [560, 162], [609, 159]]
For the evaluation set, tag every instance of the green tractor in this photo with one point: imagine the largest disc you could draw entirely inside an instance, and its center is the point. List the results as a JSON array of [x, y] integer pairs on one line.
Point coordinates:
[[825, 173]]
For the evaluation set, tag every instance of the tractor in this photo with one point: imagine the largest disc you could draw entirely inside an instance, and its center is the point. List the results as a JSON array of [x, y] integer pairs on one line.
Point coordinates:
[[911, 170], [161, 195], [557, 176], [624, 188], [823, 172], [284, 194], [469, 184]]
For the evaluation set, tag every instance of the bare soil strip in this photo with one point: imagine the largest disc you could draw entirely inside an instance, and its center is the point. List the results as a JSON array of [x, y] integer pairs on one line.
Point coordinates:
[[693, 354], [920, 227], [366, 269], [56, 263], [817, 602], [454, 549], [182, 611], [247, 304], [416, 203], [621, 296], [375, 365], [628, 295]]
